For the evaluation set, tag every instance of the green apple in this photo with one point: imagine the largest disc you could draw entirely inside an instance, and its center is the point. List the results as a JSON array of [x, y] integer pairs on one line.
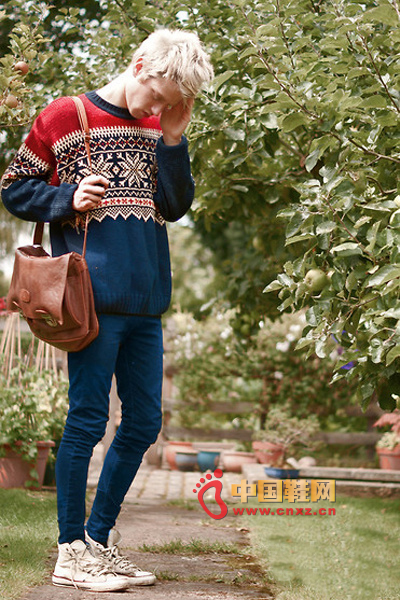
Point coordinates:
[[316, 280], [245, 329], [257, 243]]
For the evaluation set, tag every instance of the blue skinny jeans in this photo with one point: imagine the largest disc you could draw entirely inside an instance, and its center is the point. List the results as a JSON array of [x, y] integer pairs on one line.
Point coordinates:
[[132, 348]]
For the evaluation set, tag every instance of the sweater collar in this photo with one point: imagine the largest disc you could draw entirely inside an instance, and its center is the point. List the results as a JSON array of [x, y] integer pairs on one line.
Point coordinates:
[[115, 111]]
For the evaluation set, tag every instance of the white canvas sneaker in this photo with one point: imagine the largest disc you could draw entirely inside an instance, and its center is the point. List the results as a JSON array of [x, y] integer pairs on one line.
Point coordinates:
[[121, 565], [77, 567]]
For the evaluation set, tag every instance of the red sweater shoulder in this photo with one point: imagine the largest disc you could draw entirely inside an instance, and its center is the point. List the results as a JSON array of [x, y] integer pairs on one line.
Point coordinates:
[[60, 118], [55, 121]]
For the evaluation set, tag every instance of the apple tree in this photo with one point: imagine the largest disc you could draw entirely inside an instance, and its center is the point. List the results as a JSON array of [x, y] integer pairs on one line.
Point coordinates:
[[339, 77], [297, 165]]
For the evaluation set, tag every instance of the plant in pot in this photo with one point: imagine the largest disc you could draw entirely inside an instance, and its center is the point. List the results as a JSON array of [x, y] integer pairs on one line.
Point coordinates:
[[286, 435], [388, 447], [33, 409]]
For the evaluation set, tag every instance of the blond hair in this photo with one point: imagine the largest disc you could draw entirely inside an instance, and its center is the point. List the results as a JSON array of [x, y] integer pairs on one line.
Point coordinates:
[[176, 55]]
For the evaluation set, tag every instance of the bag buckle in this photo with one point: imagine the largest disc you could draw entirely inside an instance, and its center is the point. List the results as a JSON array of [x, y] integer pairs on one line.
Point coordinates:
[[48, 319]]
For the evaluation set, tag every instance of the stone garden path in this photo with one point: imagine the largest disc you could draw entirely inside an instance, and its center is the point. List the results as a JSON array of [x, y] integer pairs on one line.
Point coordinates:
[[157, 514]]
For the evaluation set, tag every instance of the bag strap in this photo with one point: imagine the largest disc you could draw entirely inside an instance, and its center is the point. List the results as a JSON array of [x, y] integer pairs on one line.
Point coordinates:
[[82, 116], [38, 234], [83, 122]]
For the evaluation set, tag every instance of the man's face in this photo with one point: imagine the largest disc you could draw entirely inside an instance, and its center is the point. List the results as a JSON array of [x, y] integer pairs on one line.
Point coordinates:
[[146, 97]]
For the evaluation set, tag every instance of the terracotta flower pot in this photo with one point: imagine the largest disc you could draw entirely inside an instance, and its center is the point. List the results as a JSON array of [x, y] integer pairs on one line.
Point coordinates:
[[389, 459], [233, 461], [15, 471], [268, 453], [172, 448], [220, 446]]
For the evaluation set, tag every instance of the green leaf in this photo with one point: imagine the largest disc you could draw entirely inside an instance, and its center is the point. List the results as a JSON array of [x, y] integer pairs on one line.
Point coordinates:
[[272, 287], [285, 280], [288, 302], [385, 13], [362, 221], [347, 249], [377, 352], [386, 118], [312, 316], [250, 51], [304, 343], [269, 120], [312, 159], [266, 30], [378, 207], [351, 281], [320, 347], [393, 313], [219, 80], [395, 219], [326, 227], [294, 224], [376, 101], [235, 134], [392, 355], [372, 235], [292, 121], [364, 393], [299, 238], [383, 275]]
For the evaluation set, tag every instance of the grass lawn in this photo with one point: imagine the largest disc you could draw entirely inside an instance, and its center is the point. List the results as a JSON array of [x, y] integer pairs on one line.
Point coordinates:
[[28, 530], [351, 555]]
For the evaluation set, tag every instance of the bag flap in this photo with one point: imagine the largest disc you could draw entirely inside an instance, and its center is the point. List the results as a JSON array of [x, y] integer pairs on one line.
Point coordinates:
[[38, 283]]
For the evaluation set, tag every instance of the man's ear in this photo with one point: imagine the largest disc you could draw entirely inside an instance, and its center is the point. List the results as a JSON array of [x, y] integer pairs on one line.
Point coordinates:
[[138, 66]]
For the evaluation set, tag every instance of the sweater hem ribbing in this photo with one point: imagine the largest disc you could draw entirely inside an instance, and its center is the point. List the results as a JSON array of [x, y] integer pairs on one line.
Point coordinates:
[[156, 306]]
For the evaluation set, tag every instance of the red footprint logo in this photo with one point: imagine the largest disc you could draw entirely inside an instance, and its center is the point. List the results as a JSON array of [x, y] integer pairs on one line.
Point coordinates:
[[217, 485]]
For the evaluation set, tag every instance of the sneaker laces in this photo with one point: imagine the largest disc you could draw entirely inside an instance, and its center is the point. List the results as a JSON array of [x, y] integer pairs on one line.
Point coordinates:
[[111, 554], [90, 566]]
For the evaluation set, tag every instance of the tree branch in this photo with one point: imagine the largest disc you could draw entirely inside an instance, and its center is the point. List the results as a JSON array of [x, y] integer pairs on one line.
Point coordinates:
[[131, 18], [377, 183], [366, 150], [396, 7], [264, 59], [290, 53], [378, 73], [353, 237]]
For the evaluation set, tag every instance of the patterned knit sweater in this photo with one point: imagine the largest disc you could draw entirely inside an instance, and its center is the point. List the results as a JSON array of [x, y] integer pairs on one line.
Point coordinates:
[[150, 183]]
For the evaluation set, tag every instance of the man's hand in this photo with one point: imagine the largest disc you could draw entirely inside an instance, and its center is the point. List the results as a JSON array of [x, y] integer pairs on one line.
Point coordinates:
[[89, 193], [174, 121]]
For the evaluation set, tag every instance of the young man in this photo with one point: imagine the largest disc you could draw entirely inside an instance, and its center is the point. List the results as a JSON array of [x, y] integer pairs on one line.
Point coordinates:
[[141, 178]]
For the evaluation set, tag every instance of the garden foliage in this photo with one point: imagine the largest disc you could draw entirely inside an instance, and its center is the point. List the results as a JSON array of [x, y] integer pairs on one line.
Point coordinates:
[[294, 147], [33, 408], [214, 370]]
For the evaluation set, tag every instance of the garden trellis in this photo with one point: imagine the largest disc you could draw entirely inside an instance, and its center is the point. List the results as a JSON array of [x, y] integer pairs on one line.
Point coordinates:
[[40, 355]]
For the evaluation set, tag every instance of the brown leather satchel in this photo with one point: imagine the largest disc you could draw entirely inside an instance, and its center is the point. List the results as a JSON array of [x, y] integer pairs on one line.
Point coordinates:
[[54, 294]]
